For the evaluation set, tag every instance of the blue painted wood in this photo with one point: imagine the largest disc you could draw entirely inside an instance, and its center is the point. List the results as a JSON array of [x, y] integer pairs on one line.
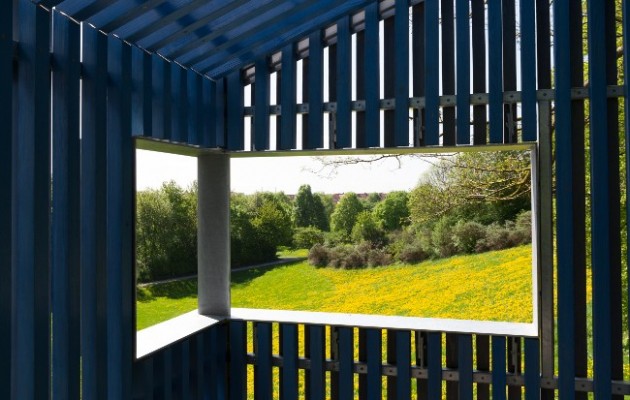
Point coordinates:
[[6, 171], [147, 375], [179, 114], [401, 93], [65, 285], [346, 363], [600, 197], [160, 108], [463, 71], [418, 63], [199, 352], [434, 364], [432, 74], [219, 114], [221, 365], [210, 114], [315, 137], [532, 369], [372, 77], [495, 63], [238, 366], [263, 378], [403, 362], [498, 368], [564, 183], [344, 84], [30, 356], [289, 353], [185, 381], [479, 51], [543, 41], [235, 103], [120, 194], [141, 68], [317, 375], [528, 69], [194, 105], [288, 99], [260, 138], [447, 80], [93, 226], [465, 366], [389, 80], [374, 341], [167, 373]]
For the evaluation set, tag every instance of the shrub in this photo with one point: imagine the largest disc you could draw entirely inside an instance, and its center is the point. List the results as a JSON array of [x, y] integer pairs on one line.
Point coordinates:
[[466, 235], [497, 238], [367, 229], [378, 257], [318, 256], [305, 238], [412, 253], [522, 233], [442, 239]]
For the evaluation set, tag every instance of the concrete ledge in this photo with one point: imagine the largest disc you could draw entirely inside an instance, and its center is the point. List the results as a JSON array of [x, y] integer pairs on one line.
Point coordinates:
[[159, 336]]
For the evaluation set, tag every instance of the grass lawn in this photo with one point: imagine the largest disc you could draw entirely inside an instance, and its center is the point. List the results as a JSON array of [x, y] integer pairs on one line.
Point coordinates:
[[491, 286]]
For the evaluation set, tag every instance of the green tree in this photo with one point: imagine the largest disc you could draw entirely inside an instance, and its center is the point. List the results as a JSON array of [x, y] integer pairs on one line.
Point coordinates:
[[309, 209], [393, 212], [366, 228], [345, 215]]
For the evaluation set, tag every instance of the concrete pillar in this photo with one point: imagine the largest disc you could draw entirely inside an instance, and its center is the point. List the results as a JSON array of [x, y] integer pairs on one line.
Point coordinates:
[[213, 234]]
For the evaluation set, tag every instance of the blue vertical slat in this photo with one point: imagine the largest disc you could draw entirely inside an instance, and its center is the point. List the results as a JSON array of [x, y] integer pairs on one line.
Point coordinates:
[[147, 94], [147, 377], [93, 315], [374, 342], [238, 366], [498, 368], [288, 99], [600, 209], [141, 92], [564, 186], [263, 367], [6, 167], [344, 84], [234, 129], [463, 71], [185, 370], [403, 362], [120, 190], [432, 75], [372, 77], [167, 373], [289, 352], [401, 33], [495, 52], [315, 92], [346, 363], [179, 89], [528, 68], [261, 103], [434, 364], [158, 97], [30, 357], [194, 105], [65, 283], [220, 361], [532, 369], [198, 354], [211, 115], [465, 366], [317, 386]]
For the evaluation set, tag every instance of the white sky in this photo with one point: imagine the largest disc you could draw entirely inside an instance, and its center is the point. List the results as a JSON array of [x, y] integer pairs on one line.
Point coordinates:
[[285, 174]]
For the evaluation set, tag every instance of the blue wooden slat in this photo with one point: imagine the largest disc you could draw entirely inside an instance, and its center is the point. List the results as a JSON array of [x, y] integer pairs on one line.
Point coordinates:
[[346, 363], [65, 286], [600, 208], [495, 52], [463, 71], [479, 51], [260, 140], [434, 364], [120, 190], [218, 100], [30, 357], [498, 368], [139, 96], [211, 114], [374, 343], [317, 387], [160, 106], [288, 99], [389, 82], [315, 84], [465, 366], [238, 366], [532, 369], [263, 378], [147, 376], [528, 69], [564, 186], [93, 316], [403, 362], [432, 75], [372, 77], [401, 33], [344, 84], [6, 161], [235, 103], [194, 105], [167, 373], [289, 370], [185, 382], [220, 361], [179, 94]]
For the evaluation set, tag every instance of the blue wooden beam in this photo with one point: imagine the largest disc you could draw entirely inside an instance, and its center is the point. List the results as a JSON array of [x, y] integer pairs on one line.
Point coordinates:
[[238, 365], [289, 370], [142, 88], [401, 91], [499, 381], [495, 51], [528, 69], [179, 96], [372, 77], [263, 377], [288, 124], [30, 357], [344, 84], [65, 272], [532, 369], [315, 137], [346, 362], [432, 74], [260, 139], [465, 366], [234, 112], [434, 364], [463, 71], [374, 340], [194, 101], [317, 375], [93, 215]]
